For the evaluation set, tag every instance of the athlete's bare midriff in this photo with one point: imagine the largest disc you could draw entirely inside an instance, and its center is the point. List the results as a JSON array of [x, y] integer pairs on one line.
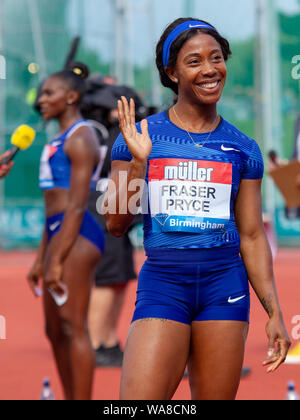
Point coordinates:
[[56, 201]]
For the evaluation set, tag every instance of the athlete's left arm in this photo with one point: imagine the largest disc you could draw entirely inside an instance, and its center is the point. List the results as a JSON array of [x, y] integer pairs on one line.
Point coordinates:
[[82, 150], [257, 256]]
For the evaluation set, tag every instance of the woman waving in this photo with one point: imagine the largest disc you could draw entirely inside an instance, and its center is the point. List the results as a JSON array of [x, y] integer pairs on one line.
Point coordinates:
[[204, 235]]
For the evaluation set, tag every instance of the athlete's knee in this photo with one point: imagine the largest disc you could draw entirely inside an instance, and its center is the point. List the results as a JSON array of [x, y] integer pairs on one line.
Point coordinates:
[[129, 387], [73, 328], [53, 332]]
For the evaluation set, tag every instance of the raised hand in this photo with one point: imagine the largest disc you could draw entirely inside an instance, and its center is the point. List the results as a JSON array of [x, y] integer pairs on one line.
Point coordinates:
[[140, 145]]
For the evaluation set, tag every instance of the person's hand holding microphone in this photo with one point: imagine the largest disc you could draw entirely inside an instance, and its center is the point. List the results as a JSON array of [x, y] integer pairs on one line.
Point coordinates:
[[4, 168], [21, 139]]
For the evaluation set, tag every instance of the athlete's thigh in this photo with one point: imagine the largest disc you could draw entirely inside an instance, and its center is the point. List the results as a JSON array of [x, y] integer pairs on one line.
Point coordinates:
[[155, 357], [78, 272], [216, 359], [51, 310], [79, 268]]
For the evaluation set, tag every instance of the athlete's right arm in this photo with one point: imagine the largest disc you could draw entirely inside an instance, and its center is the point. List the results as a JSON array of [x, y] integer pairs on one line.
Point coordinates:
[[118, 215]]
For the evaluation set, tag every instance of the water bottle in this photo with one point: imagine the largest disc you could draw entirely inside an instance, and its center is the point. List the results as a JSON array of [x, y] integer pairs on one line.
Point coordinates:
[[47, 393], [292, 394]]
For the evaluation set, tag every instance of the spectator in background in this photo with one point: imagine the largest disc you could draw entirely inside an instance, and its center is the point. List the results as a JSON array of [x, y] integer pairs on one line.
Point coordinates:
[[275, 162], [116, 268], [5, 169], [296, 154], [112, 275], [110, 80]]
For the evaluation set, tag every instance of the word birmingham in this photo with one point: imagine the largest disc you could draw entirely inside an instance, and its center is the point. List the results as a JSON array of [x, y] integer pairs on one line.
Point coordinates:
[[296, 69]]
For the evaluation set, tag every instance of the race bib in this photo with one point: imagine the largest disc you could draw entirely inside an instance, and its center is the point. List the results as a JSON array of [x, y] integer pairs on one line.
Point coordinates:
[[45, 176], [189, 195]]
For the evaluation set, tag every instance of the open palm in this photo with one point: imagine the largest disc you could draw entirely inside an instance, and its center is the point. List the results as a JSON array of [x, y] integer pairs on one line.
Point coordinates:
[[140, 145]]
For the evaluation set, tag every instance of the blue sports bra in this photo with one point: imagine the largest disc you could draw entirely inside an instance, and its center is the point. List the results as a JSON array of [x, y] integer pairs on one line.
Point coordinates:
[[55, 166]]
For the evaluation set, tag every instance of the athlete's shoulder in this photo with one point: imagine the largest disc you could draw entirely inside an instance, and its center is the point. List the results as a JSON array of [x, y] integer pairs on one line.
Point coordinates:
[[251, 152], [236, 135], [157, 121], [158, 118]]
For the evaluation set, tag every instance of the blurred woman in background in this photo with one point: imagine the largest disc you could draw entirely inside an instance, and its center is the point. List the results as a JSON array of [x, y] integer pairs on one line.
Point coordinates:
[[73, 241]]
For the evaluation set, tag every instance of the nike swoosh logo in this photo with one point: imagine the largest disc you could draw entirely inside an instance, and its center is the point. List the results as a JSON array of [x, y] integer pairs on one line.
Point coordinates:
[[229, 149], [196, 26], [236, 300], [54, 226]]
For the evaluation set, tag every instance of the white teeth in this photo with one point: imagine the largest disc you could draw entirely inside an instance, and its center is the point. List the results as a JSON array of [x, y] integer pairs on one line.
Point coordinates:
[[209, 85]]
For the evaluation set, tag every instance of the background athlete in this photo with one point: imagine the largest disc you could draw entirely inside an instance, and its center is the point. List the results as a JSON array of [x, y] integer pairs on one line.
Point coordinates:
[[193, 292], [73, 241]]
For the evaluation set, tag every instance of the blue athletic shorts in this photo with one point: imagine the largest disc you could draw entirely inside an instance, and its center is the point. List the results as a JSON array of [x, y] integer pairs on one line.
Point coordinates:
[[90, 229], [194, 285]]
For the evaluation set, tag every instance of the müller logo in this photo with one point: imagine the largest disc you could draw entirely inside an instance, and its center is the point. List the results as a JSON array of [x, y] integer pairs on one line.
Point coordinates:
[[2, 67], [188, 171]]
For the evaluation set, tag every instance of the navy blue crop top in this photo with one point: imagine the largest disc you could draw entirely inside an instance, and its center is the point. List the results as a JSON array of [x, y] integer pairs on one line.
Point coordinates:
[[55, 166]]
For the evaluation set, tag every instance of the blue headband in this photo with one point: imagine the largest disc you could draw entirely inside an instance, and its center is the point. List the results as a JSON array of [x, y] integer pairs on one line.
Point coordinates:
[[185, 26]]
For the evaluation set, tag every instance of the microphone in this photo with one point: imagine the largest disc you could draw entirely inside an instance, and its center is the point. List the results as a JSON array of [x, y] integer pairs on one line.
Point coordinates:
[[21, 139]]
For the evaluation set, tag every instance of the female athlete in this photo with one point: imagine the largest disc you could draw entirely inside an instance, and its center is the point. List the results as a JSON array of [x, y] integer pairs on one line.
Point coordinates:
[[73, 241], [204, 235]]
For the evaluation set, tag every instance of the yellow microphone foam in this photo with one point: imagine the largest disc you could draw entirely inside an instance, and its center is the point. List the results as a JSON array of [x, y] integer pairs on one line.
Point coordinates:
[[23, 137]]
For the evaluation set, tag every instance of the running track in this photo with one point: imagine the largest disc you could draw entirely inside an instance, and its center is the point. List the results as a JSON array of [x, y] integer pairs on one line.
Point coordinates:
[[25, 357]]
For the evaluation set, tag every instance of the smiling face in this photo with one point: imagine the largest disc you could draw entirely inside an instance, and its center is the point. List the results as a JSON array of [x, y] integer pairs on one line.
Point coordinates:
[[200, 70], [55, 98]]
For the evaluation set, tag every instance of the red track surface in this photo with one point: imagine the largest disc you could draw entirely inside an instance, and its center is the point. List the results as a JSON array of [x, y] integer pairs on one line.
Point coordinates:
[[25, 356]]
